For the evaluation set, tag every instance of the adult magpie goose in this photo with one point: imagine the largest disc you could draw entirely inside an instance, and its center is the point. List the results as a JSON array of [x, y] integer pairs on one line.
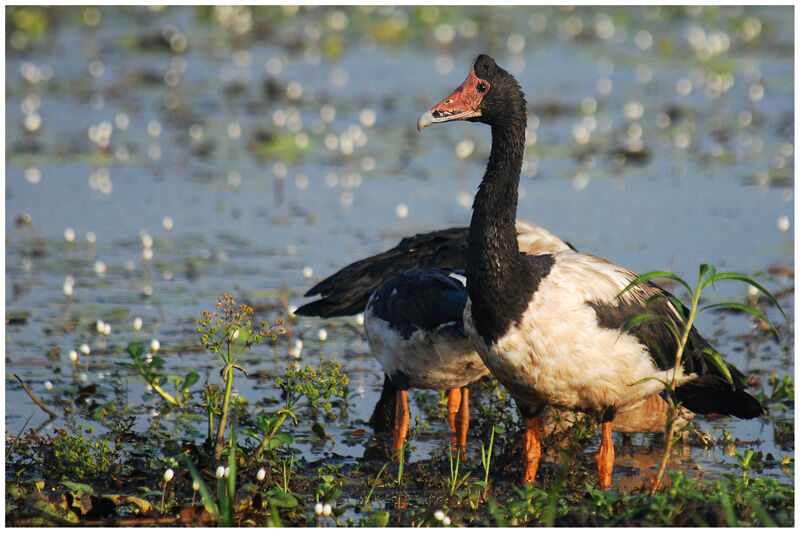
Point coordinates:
[[414, 327], [550, 327]]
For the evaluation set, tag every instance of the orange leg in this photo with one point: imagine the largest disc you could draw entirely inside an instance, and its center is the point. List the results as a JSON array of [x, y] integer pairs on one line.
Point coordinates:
[[533, 449], [402, 419], [453, 405], [462, 422], [605, 457]]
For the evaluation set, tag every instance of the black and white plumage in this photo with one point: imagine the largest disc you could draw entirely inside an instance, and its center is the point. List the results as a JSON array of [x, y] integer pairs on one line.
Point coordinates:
[[414, 327], [569, 349], [550, 326]]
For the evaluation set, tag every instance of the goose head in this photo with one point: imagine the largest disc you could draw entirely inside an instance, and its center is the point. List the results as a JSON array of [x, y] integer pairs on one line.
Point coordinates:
[[489, 95]]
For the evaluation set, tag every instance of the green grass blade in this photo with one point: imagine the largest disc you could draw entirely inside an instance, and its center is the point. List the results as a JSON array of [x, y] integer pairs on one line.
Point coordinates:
[[716, 358], [711, 270], [745, 308], [679, 308], [641, 318], [463, 479], [762, 515], [648, 378], [400, 467], [727, 508], [374, 484], [208, 502], [745, 279], [656, 274], [486, 458]]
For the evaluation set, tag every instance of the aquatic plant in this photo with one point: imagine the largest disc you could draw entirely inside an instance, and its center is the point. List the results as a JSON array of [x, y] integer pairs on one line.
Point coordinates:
[[69, 455], [211, 403], [318, 385], [228, 332], [149, 367], [708, 275], [372, 488]]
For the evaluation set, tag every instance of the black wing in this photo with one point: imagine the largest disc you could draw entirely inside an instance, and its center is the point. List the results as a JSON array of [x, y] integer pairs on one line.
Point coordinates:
[[347, 291], [421, 300]]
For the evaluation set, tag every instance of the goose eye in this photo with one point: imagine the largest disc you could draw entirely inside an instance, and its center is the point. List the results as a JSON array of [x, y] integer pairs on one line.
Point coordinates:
[[482, 87]]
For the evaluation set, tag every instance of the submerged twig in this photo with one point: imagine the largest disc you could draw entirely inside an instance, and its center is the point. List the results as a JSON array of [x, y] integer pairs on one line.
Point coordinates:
[[16, 440], [36, 400]]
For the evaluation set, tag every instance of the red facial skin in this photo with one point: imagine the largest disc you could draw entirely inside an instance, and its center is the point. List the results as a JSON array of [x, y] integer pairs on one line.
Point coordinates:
[[465, 98], [462, 104]]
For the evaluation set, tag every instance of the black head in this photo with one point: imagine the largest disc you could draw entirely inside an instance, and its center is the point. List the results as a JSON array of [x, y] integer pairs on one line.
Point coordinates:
[[489, 95]]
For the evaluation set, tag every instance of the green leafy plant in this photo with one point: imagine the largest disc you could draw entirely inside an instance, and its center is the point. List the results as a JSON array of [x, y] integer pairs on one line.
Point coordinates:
[[605, 501], [319, 385], [223, 508], [376, 519], [749, 460], [68, 455], [150, 368], [666, 506], [496, 414], [287, 473], [208, 501], [529, 503], [276, 498], [707, 276], [782, 393], [486, 457], [228, 332], [212, 400], [327, 492]]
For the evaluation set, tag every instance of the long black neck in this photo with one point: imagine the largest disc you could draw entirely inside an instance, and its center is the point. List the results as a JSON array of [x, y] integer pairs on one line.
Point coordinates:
[[492, 232], [500, 280]]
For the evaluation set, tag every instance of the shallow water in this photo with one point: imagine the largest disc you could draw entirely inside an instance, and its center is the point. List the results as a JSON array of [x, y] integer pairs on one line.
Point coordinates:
[[657, 157]]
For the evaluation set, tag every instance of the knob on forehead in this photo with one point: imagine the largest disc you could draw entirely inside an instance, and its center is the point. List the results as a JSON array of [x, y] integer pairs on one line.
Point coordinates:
[[484, 66]]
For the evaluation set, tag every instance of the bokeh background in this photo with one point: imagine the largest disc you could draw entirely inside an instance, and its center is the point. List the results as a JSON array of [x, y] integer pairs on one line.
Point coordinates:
[[157, 157]]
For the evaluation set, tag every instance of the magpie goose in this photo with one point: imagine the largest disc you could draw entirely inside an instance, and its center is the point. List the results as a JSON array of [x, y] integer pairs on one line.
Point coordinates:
[[551, 327]]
